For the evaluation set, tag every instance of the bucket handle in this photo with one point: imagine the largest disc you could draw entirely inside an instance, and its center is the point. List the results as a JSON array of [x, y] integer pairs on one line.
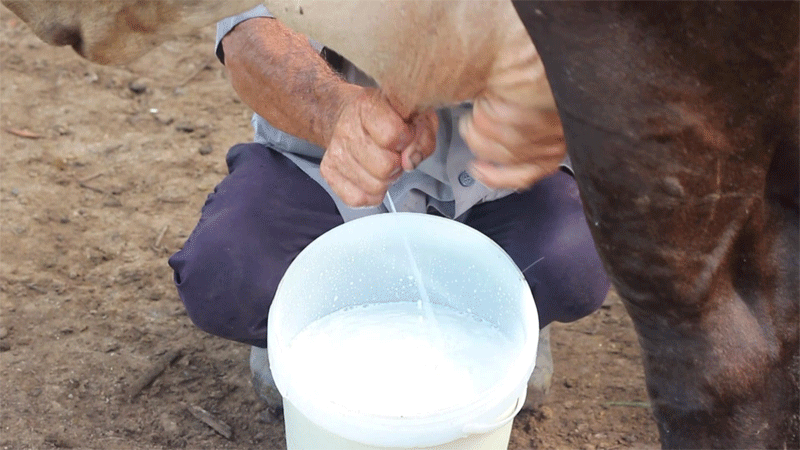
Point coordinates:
[[480, 428]]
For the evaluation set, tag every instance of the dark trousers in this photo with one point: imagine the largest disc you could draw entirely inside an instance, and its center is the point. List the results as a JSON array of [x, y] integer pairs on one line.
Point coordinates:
[[267, 210]]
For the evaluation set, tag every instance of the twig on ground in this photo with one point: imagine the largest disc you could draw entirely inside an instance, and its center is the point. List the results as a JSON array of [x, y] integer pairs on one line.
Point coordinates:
[[92, 177], [635, 404], [36, 288], [23, 133], [192, 75], [59, 441], [178, 312], [92, 188], [110, 199], [172, 200], [160, 237], [150, 376], [204, 416]]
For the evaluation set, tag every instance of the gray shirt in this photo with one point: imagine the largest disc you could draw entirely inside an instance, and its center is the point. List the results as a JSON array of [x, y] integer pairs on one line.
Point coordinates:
[[440, 182]]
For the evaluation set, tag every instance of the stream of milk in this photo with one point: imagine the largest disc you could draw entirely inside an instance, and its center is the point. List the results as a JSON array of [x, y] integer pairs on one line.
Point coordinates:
[[372, 359], [427, 319]]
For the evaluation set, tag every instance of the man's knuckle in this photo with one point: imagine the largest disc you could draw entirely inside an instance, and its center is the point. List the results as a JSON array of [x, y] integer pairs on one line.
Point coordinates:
[[362, 200], [557, 150], [351, 197], [375, 188], [385, 169], [483, 124], [326, 170]]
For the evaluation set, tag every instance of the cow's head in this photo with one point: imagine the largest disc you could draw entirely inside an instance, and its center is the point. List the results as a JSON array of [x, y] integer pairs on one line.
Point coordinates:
[[117, 31]]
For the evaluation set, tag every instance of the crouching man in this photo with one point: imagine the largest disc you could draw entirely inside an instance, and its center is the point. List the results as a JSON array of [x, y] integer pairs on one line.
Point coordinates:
[[327, 148]]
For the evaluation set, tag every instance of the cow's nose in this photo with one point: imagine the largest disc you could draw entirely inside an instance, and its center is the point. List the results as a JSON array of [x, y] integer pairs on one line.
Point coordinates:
[[66, 35]]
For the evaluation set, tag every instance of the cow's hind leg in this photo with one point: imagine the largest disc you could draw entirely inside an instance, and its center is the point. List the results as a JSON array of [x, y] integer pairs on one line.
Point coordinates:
[[681, 120]]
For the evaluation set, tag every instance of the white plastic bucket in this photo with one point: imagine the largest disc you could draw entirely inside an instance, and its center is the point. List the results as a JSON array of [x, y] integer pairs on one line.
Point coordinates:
[[355, 264]]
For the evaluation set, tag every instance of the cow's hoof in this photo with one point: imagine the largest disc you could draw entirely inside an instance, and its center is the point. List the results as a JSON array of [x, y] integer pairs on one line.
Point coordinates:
[[263, 383], [542, 377]]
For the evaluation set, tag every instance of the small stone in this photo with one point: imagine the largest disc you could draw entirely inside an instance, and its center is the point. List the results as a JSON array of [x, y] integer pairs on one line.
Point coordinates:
[[569, 383], [111, 202], [111, 347], [15, 192], [169, 425], [90, 77], [3, 332], [205, 149], [59, 441], [4, 346], [163, 119], [113, 82], [137, 86], [545, 413], [185, 127]]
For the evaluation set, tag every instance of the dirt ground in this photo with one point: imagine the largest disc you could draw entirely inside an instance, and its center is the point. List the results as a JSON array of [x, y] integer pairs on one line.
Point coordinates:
[[103, 171]]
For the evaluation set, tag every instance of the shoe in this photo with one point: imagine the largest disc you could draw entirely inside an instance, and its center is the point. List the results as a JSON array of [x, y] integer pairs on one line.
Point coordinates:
[[262, 380], [542, 376]]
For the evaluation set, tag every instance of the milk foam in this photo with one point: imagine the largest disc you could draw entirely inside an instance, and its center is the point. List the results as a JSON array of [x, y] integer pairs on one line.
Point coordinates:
[[379, 359]]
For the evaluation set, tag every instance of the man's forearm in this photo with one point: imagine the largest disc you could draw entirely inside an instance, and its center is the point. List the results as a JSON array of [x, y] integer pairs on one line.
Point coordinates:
[[281, 77]]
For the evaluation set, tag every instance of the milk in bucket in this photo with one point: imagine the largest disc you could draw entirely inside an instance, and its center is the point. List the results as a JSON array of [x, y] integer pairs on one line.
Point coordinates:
[[379, 359], [356, 362]]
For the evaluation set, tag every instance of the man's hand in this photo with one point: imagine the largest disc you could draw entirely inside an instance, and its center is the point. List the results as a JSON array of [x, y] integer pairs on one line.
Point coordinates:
[[282, 78], [371, 145], [514, 146]]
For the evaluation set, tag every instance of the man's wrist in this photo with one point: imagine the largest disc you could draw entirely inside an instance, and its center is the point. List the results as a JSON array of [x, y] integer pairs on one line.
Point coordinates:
[[345, 95]]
